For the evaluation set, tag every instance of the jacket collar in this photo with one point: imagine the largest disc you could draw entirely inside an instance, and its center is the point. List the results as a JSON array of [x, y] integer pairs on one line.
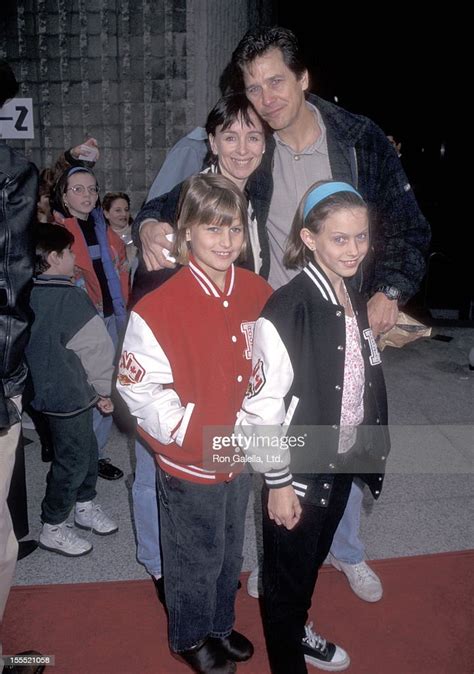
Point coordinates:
[[346, 126], [314, 272], [208, 286], [46, 279], [321, 281]]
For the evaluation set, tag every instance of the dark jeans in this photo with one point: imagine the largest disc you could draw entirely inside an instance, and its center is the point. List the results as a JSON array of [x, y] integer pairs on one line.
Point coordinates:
[[291, 561], [202, 535], [73, 474]]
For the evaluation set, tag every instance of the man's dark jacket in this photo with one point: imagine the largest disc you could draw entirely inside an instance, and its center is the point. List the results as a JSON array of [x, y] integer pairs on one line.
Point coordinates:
[[18, 197]]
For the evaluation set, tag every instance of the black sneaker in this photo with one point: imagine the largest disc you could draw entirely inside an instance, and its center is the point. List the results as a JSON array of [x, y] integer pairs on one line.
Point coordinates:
[[323, 654], [108, 471]]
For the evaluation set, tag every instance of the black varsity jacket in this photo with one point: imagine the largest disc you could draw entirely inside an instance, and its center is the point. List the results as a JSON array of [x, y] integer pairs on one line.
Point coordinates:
[[296, 392]]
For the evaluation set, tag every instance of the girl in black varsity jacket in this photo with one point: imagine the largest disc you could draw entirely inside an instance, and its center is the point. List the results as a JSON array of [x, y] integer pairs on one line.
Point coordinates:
[[314, 415], [185, 364]]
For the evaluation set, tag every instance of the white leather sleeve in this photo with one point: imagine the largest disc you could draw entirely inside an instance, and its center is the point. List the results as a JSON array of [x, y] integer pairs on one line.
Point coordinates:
[[263, 418], [144, 370]]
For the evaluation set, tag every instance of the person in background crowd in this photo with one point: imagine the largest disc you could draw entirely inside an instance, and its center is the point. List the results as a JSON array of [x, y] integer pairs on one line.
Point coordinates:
[[47, 180], [46, 184], [71, 359], [184, 159], [101, 267], [18, 196], [86, 154], [116, 207]]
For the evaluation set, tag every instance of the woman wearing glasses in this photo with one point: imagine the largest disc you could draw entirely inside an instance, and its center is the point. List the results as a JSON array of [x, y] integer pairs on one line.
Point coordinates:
[[101, 258], [101, 267]]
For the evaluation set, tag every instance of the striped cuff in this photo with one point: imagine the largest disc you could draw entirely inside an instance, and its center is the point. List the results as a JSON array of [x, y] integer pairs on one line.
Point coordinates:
[[276, 479]]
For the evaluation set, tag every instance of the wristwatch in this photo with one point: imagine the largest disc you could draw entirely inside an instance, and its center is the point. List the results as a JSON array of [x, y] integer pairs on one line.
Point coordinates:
[[390, 292]]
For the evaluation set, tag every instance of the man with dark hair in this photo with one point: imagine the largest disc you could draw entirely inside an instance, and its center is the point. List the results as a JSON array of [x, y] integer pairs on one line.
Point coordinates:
[[18, 194], [317, 139], [255, 43]]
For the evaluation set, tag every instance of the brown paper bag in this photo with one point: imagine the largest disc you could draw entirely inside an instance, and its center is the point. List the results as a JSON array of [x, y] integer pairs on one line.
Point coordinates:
[[406, 330]]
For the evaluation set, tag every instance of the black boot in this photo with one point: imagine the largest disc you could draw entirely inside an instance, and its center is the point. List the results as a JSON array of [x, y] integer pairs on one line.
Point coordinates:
[[207, 658], [236, 647]]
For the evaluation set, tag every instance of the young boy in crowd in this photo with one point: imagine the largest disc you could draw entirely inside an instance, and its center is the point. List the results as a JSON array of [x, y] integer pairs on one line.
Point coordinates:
[[70, 356]]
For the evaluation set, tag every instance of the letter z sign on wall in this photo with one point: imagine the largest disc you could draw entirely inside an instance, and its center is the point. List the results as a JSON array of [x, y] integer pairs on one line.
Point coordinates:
[[16, 119]]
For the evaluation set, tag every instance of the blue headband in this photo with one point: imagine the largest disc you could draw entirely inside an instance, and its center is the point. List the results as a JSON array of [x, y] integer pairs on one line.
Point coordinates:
[[322, 191], [79, 169]]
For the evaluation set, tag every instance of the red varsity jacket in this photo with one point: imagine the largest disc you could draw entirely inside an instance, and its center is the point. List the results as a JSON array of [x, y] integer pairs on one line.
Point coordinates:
[[185, 365]]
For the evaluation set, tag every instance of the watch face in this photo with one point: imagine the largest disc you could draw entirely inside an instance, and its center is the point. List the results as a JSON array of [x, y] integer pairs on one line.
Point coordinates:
[[391, 292]]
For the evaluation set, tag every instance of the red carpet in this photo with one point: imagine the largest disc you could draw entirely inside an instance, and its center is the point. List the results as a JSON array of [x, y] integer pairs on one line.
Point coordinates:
[[423, 625]]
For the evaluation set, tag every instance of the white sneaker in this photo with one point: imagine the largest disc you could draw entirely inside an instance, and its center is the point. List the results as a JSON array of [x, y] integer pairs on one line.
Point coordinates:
[[62, 538], [323, 654], [363, 581], [89, 515], [253, 584]]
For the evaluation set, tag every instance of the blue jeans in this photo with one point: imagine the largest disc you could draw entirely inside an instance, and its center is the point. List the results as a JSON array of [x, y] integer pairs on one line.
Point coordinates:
[[145, 510], [202, 536], [103, 424], [347, 546]]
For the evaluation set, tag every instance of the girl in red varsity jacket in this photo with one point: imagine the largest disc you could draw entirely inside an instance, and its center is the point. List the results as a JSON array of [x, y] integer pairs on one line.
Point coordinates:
[[183, 372]]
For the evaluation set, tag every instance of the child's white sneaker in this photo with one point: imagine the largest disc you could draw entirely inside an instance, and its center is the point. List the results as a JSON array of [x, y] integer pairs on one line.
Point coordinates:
[[62, 538], [89, 515]]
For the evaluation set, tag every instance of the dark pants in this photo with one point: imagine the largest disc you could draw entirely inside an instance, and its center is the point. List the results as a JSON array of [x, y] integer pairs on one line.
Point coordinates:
[[202, 535], [291, 561], [17, 502], [42, 428], [73, 474]]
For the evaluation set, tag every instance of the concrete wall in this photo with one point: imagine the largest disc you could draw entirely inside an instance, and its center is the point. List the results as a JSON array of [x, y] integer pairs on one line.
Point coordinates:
[[135, 74]]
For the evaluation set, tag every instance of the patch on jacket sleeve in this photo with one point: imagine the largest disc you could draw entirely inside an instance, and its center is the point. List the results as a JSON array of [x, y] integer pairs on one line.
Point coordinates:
[[130, 370], [257, 380], [374, 357], [247, 328]]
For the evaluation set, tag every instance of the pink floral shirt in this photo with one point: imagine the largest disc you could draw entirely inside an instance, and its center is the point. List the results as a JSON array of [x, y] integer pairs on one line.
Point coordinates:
[[352, 410]]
